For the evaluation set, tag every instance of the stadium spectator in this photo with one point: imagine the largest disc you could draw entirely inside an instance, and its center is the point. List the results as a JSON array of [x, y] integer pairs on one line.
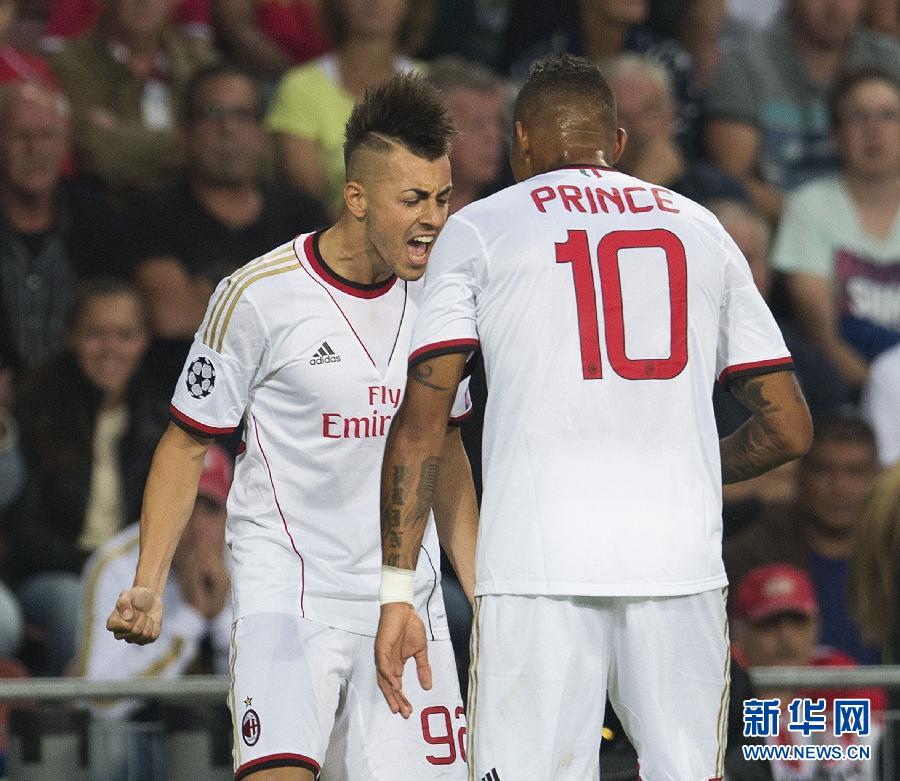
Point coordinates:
[[646, 106], [51, 232], [71, 18], [839, 238], [821, 383], [16, 64], [270, 36], [88, 430], [599, 30], [124, 79], [221, 214], [196, 598], [875, 574], [820, 380], [880, 403], [816, 531], [775, 622], [314, 101], [477, 101], [768, 119]]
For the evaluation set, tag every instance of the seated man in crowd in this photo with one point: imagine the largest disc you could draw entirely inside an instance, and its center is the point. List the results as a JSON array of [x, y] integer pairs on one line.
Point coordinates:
[[197, 633], [647, 111], [775, 622], [52, 232], [819, 378], [125, 78], [817, 530], [195, 600], [839, 238], [190, 236], [767, 104], [477, 101]]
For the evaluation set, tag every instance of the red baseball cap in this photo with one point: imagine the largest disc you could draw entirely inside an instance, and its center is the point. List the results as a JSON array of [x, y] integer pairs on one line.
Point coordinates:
[[772, 589], [215, 479]]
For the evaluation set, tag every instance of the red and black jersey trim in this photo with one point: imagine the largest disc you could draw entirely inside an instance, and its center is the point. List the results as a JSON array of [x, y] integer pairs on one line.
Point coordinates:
[[348, 286], [276, 760], [195, 426], [458, 420], [753, 368], [443, 348]]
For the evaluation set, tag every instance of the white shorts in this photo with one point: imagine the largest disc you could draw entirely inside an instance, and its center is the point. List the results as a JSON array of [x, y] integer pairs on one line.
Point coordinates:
[[304, 694], [542, 666]]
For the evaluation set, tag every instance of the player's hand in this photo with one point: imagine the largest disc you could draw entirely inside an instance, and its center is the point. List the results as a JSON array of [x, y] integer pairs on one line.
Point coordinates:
[[137, 617], [401, 634]]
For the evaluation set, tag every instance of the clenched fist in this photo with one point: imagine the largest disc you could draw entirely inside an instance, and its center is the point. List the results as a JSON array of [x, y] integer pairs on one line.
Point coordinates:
[[137, 616]]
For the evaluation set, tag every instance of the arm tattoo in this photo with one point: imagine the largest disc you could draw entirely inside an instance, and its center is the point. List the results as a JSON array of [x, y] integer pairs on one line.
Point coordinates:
[[756, 446], [421, 374], [428, 482], [402, 519], [392, 534]]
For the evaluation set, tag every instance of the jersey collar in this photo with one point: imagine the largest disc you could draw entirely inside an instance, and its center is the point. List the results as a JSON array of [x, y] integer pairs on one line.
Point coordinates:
[[576, 167], [348, 286]]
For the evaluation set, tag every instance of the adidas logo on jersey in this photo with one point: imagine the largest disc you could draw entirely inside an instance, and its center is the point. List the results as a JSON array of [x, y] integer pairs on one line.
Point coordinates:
[[493, 775], [324, 355]]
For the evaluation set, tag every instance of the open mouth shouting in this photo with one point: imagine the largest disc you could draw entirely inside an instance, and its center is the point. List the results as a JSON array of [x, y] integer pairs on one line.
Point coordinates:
[[418, 249]]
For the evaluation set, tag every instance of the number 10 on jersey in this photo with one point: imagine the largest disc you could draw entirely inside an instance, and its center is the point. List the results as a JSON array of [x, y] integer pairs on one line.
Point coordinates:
[[576, 250]]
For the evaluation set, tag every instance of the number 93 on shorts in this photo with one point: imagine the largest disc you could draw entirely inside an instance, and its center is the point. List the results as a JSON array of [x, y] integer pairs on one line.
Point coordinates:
[[305, 695]]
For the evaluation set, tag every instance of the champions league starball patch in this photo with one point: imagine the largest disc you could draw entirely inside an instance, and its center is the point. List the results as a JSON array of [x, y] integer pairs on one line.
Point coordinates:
[[250, 727], [201, 377]]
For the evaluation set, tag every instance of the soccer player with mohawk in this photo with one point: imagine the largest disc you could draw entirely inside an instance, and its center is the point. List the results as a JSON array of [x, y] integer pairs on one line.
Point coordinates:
[[308, 346]]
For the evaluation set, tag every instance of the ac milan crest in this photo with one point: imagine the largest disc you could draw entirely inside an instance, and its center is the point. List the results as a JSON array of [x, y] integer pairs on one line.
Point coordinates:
[[250, 727]]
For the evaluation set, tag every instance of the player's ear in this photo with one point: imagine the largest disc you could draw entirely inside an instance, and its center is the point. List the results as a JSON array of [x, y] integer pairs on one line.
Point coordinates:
[[355, 199], [520, 152], [521, 139], [621, 140]]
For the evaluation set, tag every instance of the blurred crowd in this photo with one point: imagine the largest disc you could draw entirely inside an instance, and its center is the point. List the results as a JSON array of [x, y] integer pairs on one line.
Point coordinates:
[[148, 148]]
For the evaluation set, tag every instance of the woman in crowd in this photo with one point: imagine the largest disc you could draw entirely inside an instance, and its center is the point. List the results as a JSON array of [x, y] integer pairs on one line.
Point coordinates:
[[88, 430]]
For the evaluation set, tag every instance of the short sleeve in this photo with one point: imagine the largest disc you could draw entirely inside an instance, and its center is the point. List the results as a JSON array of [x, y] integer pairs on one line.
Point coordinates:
[[227, 355], [290, 110], [446, 320], [749, 340], [801, 243], [730, 95]]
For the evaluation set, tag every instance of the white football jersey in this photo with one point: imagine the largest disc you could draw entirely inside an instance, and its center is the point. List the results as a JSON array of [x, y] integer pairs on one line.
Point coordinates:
[[605, 308], [315, 366]]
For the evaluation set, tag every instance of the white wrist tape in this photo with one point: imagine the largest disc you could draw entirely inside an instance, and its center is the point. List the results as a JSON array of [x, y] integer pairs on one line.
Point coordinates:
[[397, 585]]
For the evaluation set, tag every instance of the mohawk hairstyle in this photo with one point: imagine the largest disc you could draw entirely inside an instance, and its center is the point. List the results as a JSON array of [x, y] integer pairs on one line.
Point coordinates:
[[566, 80], [405, 109]]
